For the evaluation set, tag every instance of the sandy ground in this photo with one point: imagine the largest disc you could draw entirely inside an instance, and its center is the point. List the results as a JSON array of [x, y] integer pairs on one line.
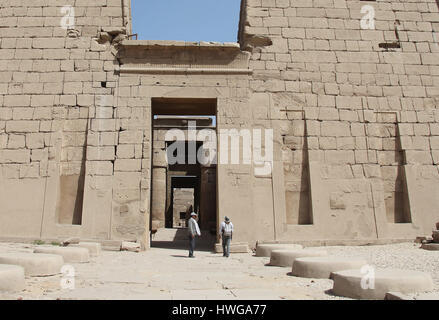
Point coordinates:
[[168, 274]]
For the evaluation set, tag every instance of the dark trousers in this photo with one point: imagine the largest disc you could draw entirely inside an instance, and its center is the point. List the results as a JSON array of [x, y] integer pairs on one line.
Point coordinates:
[[226, 245], [191, 246]]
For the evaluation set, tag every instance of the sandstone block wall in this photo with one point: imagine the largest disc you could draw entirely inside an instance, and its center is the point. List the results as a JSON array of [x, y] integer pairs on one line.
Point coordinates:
[[58, 127], [354, 113], [358, 122]]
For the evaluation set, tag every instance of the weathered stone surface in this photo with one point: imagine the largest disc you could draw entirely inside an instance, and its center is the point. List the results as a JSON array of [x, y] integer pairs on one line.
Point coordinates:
[[286, 257], [70, 254], [11, 278], [35, 265], [430, 246], [70, 241], [420, 239], [111, 245], [94, 248], [265, 249], [322, 267], [348, 283], [130, 246]]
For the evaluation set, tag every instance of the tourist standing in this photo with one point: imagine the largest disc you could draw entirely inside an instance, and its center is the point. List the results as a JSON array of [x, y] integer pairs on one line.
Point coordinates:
[[194, 231], [226, 233]]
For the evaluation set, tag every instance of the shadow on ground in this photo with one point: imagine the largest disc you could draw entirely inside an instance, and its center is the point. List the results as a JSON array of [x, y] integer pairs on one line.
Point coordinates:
[[180, 241]]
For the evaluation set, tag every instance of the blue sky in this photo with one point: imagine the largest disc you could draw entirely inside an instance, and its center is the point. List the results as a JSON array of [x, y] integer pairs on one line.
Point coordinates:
[[188, 20]]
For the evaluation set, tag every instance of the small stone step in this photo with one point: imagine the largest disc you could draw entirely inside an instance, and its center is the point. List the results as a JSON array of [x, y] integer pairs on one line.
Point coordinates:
[[35, 265], [11, 278], [70, 254], [264, 249], [430, 246], [286, 257], [352, 283], [130, 246], [322, 267]]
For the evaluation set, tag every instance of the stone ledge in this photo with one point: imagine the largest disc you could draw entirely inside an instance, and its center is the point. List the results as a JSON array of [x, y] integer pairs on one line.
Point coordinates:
[[322, 267], [430, 246], [265, 249], [35, 265], [69, 254], [146, 70], [185, 44], [11, 278], [286, 257], [347, 283]]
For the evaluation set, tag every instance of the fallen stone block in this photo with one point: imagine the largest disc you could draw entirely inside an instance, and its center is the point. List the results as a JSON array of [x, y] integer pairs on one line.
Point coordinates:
[[352, 283], [94, 248], [286, 257], [69, 254], [11, 278], [70, 241], [35, 265], [430, 246], [420, 239], [234, 248], [264, 249], [322, 267], [130, 246], [427, 240]]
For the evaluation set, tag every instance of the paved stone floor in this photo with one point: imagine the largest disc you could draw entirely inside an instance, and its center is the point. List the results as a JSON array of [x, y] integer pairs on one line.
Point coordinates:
[[169, 274]]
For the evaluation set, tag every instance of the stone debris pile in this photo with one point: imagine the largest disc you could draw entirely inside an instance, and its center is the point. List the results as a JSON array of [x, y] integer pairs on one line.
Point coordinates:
[[432, 244]]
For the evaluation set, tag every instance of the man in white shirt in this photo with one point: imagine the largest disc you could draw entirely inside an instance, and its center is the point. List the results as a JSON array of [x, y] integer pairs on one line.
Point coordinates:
[[226, 233], [193, 231]]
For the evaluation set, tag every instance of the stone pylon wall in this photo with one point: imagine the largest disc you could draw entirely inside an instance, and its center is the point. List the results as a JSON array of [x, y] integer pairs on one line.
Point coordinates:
[[354, 113], [58, 127], [358, 117]]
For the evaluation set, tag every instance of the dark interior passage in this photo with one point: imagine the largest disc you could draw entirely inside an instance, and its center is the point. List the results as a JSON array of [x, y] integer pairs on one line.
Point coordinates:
[[184, 186]]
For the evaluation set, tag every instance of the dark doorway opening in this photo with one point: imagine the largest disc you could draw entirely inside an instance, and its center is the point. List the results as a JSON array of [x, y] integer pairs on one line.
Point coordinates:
[[184, 199], [177, 189]]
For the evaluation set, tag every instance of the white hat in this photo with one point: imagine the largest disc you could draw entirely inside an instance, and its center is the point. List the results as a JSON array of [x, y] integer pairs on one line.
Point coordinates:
[[193, 214]]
